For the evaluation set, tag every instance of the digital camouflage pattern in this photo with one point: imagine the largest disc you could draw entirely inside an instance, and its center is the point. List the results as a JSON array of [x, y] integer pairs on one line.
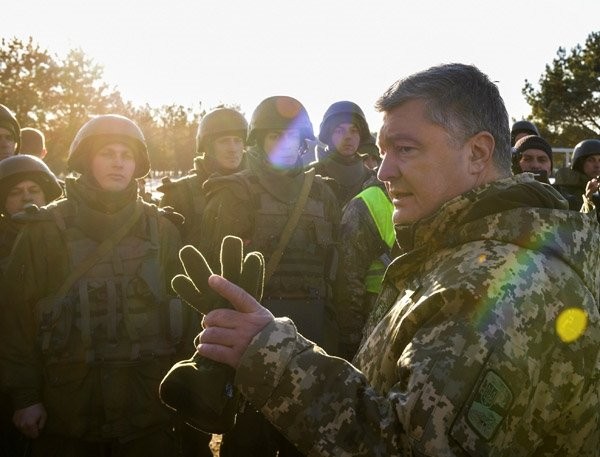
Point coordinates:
[[360, 245], [484, 341]]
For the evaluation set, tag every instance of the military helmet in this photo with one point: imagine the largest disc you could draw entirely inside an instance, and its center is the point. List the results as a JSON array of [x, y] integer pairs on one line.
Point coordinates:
[[110, 128], [522, 127], [220, 122], [340, 112], [280, 113], [9, 121], [369, 148], [584, 149], [18, 168]]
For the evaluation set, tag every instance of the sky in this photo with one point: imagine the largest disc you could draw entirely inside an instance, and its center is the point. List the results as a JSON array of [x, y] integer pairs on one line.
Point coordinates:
[[319, 51]]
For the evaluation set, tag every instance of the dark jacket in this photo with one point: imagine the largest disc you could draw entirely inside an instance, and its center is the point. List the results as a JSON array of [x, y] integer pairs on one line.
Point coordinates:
[[96, 357]]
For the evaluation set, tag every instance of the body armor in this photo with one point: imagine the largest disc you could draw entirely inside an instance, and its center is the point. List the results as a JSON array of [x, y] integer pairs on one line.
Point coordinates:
[[299, 287], [118, 311]]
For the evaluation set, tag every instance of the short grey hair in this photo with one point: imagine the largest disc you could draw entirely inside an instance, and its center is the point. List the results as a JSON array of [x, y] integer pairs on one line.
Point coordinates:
[[459, 98]]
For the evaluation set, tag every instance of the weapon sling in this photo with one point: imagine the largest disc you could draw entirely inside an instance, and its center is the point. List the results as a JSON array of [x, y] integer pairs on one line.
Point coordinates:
[[290, 225]]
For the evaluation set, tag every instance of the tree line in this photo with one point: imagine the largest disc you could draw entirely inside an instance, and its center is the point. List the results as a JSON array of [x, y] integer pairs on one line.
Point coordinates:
[[57, 95]]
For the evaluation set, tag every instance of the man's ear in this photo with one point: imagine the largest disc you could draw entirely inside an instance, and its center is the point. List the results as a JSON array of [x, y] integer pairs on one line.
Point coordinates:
[[481, 151]]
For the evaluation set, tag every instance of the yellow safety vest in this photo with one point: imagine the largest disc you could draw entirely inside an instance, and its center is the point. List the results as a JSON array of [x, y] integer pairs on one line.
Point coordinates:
[[381, 209]]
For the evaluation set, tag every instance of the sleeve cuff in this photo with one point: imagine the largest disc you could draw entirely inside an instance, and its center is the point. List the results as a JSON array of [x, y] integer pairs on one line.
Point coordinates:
[[266, 359]]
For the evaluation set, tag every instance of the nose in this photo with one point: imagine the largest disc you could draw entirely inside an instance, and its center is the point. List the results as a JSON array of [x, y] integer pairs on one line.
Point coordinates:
[[27, 197], [386, 170]]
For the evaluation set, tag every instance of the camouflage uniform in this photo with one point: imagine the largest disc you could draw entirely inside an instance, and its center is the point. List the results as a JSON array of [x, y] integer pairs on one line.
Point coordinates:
[[348, 172], [95, 359], [571, 185], [9, 230], [185, 195], [255, 205], [364, 254], [349, 175], [463, 356]]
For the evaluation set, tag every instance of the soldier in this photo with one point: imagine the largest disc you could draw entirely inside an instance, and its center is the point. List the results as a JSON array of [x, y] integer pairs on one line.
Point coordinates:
[[370, 155], [533, 154], [10, 133], [33, 142], [520, 129], [343, 129], [486, 335], [580, 180], [24, 181], [367, 235], [220, 144], [89, 324], [292, 217]]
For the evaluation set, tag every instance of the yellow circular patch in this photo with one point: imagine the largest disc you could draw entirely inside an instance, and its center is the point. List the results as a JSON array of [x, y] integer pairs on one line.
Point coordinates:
[[570, 324]]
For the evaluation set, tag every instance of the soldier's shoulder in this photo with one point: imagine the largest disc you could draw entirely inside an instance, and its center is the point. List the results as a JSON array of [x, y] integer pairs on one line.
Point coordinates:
[[168, 184], [240, 184], [34, 214], [165, 213], [326, 185]]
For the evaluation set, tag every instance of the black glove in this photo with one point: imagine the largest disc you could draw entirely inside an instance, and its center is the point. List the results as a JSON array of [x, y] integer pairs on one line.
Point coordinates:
[[200, 389]]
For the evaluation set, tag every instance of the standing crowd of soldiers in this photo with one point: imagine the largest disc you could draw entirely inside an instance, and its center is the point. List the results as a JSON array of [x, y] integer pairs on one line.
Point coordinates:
[[91, 325]]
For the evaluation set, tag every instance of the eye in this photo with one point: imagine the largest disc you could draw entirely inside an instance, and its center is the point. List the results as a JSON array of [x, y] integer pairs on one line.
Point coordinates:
[[403, 149]]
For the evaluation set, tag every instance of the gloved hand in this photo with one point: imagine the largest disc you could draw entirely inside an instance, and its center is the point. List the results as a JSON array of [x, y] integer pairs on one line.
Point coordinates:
[[199, 389]]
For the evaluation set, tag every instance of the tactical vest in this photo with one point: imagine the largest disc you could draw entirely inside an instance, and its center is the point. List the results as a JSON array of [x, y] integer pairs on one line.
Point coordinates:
[[119, 310], [301, 273], [381, 209]]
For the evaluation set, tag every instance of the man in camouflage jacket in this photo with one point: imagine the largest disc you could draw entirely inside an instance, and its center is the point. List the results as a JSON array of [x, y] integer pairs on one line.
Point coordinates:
[[485, 339], [366, 241]]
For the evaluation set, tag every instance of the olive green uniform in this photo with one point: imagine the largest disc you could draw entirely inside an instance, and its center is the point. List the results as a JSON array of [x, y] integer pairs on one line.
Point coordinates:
[[95, 358], [255, 205]]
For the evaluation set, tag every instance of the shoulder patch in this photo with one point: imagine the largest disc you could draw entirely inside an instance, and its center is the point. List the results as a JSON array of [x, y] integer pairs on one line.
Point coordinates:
[[489, 405]]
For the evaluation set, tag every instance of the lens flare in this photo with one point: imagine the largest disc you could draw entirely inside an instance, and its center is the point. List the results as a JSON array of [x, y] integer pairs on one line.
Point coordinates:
[[571, 324]]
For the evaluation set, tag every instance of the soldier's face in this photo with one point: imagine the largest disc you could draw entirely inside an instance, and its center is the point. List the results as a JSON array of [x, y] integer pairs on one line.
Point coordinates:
[[21, 194], [591, 166], [7, 143], [227, 151], [346, 139], [535, 160], [421, 168], [113, 166], [283, 147]]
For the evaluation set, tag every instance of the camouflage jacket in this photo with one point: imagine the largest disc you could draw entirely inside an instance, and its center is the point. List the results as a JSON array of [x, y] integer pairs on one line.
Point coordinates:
[[348, 173], [360, 245], [484, 342]]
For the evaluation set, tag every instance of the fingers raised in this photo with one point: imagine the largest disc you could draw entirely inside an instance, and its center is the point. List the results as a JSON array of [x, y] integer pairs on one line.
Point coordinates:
[[238, 297]]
